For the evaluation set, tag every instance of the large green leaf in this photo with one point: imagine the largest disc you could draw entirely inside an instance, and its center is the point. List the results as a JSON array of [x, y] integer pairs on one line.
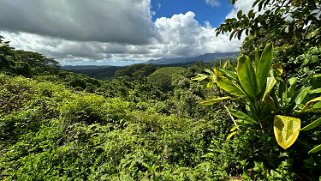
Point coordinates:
[[246, 75], [286, 130], [229, 86], [228, 74], [312, 125], [315, 149], [263, 67], [214, 100], [242, 116], [301, 95]]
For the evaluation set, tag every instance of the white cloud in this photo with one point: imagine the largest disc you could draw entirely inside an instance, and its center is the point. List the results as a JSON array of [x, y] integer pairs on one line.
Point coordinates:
[[213, 2], [244, 5], [125, 21], [182, 35], [121, 35]]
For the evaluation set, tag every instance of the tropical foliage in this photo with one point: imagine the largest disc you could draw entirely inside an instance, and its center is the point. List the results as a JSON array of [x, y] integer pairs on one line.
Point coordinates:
[[254, 118]]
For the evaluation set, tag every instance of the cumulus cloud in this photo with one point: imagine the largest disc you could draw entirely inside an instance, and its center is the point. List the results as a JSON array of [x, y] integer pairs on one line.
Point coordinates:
[[125, 21], [182, 35], [244, 5], [213, 2], [119, 41]]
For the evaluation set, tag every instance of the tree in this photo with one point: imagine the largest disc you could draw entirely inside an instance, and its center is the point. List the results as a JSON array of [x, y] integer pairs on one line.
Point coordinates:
[[293, 26], [25, 63]]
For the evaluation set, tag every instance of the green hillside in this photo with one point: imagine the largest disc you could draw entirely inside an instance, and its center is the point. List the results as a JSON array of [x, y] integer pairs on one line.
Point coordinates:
[[254, 118]]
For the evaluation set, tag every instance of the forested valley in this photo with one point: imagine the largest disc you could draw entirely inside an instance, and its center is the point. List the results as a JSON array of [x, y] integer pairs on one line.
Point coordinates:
[[256, 117]]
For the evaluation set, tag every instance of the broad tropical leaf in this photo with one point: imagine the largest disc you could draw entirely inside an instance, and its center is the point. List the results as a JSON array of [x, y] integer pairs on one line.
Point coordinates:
[[286, 130], [228, 74], [241, 115], [214, 100], [263, 67], [246, 75], [230, 87], [312, 125]]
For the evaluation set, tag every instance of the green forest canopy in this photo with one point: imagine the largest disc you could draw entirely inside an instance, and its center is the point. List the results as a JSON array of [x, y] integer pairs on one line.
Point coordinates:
[[147, 123]]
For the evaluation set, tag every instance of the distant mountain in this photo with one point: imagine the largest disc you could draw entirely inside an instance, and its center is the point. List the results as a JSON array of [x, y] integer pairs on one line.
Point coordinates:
[[208, 57], [83, 67]]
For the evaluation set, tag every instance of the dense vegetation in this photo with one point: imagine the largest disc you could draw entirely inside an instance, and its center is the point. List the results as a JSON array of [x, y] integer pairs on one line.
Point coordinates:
[[257, 118]]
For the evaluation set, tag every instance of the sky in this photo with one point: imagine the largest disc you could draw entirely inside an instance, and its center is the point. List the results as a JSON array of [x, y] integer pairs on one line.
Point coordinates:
[[118, 32]]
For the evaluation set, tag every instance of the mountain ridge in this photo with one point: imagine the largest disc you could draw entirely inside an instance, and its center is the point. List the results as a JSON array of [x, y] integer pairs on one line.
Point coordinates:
[[207, 57]]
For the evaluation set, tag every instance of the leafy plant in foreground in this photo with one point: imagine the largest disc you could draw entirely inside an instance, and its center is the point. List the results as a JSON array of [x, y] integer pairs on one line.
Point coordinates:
[[269, 101]]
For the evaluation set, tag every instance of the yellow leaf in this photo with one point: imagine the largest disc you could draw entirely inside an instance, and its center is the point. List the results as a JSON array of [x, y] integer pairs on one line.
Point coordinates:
[[229, 136], [286, 130]]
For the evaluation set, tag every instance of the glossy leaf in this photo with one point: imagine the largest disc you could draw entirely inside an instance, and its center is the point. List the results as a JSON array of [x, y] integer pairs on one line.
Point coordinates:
[[263, 67], [246, 75], [230, 87], [286, 130], [312, 125], [214, 100]]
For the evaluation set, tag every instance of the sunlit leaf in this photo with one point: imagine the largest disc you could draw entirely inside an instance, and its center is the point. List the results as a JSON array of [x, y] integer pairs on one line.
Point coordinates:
[[302, 94], [312, 125], [315, 149], [246, 75], [228, 74], [230, 87], [229, 136], [241, 115], [200, 77], [315, 91], [209, 85], [270, 83], [308, 104], [263, 67], [286, 130], [208, 71], [234, 128], [293, 80], [214, 100]]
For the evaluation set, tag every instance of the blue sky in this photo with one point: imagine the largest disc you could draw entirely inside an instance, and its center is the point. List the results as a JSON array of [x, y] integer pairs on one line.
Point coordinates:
[[204, 12], [118, 32]]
